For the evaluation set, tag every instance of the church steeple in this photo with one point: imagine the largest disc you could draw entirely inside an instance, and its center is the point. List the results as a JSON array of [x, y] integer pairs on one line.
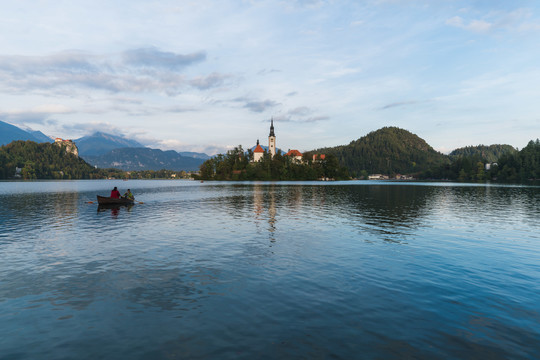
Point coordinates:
[[272, 128], [272, 140]]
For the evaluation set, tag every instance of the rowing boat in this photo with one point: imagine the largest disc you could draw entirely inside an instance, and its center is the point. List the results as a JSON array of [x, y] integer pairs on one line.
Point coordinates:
[[103, 200]]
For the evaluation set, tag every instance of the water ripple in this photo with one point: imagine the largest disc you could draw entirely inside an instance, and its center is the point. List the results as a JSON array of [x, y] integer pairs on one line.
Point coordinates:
[[266, 270]]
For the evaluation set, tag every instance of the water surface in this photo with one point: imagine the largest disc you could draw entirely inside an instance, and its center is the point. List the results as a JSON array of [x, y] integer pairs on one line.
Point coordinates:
[[269, 270]]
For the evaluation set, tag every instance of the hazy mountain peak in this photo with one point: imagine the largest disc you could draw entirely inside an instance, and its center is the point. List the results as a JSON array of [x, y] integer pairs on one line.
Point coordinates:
[[100, 143], [9, 133]]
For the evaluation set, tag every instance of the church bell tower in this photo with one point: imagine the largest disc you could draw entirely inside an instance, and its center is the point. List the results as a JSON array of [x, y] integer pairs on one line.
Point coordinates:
[[272, 140]]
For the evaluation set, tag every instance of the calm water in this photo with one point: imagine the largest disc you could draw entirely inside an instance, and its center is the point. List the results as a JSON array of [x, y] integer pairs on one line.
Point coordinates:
[[269, 270]]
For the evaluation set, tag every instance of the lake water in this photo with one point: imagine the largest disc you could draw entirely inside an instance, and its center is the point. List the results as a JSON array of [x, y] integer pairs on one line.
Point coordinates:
[[312, 270]]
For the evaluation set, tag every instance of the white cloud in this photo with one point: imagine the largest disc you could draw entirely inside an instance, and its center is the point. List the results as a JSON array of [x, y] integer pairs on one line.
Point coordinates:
[[133, 71], [474, 25], [496, 20], [154, 58], [206, 72]]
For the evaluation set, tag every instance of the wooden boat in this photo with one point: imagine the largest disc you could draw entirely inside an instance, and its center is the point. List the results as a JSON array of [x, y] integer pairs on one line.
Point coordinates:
[[103, 200]]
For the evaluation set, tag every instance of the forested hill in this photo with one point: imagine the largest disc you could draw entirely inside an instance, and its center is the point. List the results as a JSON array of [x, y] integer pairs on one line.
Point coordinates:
[[41, 161], [490, 153], [389, 150]]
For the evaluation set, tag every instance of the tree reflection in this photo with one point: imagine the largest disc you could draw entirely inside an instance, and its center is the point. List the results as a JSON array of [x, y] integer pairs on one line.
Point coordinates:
[[390, 210]]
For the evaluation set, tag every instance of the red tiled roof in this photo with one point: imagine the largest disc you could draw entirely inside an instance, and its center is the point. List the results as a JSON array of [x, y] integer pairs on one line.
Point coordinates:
[[293, 153], [319, 156], [258, 149]]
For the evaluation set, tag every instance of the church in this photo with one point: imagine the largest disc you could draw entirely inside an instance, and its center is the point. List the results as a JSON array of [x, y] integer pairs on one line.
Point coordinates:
[[258, 152]]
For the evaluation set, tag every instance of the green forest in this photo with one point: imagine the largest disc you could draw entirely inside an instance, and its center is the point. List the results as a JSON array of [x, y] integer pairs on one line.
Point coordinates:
[[42, 161], [387, 151], [393, 151], [29, 160], [512, 166], [237, 165], [390, 151], [490, 153]]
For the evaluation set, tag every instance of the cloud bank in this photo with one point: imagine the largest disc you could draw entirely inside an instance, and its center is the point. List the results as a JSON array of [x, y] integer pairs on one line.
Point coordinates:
[[134, 71]]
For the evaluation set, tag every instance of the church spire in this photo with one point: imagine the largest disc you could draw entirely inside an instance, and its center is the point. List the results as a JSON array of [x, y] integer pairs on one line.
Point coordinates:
[[272, 128], [272, 140]]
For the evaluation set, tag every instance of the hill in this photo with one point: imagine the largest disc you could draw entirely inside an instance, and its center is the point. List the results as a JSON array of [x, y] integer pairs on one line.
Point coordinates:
[[132, 159], [9, 133], [100, 143], [490, 153], [30, 160], [389, 150]]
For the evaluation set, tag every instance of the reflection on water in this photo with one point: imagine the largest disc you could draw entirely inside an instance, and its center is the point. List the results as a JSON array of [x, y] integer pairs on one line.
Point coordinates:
[[114, 210], [270, 270]]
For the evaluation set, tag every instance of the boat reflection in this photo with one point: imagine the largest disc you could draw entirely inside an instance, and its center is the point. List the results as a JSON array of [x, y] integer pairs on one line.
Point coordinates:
[[114, 208]]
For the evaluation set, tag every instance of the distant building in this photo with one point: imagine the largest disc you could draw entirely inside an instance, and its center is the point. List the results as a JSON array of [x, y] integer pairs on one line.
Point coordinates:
[[490, 165], [295, 154], [319, 157], [378, 177], [69, 144], [258, 153], [403, 177]]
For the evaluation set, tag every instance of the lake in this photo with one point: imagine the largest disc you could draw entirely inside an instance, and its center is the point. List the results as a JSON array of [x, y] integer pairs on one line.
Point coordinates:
[[313, 270]]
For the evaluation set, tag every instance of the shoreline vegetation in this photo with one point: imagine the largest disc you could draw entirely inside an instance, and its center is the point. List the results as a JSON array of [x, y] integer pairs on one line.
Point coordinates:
[[28, 160], [388, 153], [238, 165]]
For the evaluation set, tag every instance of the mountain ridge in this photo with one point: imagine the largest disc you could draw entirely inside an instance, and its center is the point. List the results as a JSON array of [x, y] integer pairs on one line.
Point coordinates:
[[10, 133], [133, 159], [100, 143]]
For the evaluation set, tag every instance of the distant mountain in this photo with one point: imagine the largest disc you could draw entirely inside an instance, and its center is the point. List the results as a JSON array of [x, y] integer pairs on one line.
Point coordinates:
[[195, 155], [9, 133], [130, 159], [490, 153], [41, 136], [100, 143], [389, 150]]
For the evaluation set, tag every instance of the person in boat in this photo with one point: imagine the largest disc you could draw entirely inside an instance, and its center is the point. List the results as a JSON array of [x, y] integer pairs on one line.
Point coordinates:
[[128, 195], [115, 194]]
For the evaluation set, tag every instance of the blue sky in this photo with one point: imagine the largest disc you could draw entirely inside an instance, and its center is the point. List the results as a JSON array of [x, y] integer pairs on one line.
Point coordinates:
[[208, 75]]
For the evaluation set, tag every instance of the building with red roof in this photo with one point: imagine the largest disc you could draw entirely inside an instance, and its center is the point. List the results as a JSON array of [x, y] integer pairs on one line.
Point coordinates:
[[258, 152], [295, 154]]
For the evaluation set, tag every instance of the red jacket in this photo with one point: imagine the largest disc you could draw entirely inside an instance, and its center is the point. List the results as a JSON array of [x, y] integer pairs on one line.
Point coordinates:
[[115, 194]]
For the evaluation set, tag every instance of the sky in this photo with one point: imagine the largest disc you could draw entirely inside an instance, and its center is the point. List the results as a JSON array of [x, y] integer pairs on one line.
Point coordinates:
[[207, 76]]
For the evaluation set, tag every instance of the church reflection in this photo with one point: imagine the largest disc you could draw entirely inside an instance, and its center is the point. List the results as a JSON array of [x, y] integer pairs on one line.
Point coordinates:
[[392, 212], [264, 207]]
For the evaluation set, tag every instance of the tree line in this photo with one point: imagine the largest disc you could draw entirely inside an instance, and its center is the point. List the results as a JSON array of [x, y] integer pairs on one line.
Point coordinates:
[[514, 166], [29, 160], [238, 164]]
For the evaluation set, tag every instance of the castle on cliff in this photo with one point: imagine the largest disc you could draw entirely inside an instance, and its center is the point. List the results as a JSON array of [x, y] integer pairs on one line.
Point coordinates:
[[68, 144]]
